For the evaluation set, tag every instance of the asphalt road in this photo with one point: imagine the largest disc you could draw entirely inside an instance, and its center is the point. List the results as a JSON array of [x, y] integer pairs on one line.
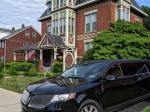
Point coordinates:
[[10, 102]]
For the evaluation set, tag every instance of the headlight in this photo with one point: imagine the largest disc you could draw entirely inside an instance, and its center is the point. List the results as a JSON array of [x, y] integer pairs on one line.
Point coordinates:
[[25, 97], [40, 101]]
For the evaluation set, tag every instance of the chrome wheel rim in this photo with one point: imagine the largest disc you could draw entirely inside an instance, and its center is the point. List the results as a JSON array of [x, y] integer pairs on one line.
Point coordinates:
[[89, 108]]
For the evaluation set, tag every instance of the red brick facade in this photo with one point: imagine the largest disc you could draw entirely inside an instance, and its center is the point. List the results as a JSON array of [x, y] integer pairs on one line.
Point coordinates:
[[19, 40], [105, 15], [44, 24]]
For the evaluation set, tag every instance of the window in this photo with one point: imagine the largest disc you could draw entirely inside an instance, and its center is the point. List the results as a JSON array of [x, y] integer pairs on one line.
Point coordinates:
[[123, 12], [1, 58], [27, 33], [133, 68], [49, 28], [56, 4], [90, 21], [2, 44], [62, 3], [55, 23], [114, 71], [34, 34], [88, 45], [62, 22]]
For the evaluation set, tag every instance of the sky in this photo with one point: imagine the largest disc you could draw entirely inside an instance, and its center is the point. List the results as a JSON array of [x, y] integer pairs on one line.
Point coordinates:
[[14, 13]]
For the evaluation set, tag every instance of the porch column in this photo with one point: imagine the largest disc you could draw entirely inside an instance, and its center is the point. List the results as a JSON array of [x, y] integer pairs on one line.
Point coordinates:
[[14, 56], [55, 53], [26, 55], [75, 56], [41, 54]]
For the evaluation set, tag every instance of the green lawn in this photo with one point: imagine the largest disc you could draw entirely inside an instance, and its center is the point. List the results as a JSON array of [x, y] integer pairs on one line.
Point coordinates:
[[147, 109], [17, 84]]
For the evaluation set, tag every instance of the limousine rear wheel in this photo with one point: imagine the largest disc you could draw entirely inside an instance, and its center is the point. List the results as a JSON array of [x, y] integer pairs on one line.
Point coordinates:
[[90, 106]]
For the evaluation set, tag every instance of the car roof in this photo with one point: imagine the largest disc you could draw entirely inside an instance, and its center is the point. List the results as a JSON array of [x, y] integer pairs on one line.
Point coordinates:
[[112, 61]]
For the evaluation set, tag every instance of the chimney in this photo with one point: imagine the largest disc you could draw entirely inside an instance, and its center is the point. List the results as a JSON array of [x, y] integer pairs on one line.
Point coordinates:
[[23, 26], [13, 28]]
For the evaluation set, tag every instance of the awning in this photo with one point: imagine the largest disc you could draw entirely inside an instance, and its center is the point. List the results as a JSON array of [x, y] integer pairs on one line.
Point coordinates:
[[27, 48]]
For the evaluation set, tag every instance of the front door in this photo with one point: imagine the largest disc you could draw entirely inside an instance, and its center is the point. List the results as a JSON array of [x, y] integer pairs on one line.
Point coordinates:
[[47, 57]]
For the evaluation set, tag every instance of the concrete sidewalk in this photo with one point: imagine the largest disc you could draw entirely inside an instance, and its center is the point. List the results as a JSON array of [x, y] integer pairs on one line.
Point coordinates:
[[9, 101]]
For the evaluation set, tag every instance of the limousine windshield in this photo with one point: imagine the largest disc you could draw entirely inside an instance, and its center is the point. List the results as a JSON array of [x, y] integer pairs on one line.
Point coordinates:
[[85, 71]]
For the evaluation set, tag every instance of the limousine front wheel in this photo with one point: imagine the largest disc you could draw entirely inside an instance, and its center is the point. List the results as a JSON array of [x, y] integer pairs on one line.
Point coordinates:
[[90, 106]]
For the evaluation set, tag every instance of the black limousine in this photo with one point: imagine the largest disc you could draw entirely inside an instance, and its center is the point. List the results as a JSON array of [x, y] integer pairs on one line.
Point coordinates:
[[92, 86]]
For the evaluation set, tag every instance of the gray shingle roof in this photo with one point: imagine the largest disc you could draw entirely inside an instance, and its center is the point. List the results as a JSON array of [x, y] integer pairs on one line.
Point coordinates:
[[46, 14], [27, 48], [11, 32], [56, 40]]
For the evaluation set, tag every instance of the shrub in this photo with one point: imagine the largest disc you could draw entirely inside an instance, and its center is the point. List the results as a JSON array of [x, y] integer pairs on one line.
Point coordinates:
[[51, 74], [124, 40], [57, 67], [20, 66], [12, 71], [1, 75], [33, 71]]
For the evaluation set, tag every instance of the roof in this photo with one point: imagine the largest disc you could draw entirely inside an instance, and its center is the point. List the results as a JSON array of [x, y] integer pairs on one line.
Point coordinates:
[[27, 48], [55, 41], [7, 33], [45, 15], [113, 61]]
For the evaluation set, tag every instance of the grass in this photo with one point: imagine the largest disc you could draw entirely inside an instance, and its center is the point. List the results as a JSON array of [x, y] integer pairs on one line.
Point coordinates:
[[17, 84], [147, 109]]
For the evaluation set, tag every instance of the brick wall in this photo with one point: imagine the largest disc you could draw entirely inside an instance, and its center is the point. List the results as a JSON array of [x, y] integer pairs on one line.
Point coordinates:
[[105, 15], [136, 17], [44, 25], [19, 40]]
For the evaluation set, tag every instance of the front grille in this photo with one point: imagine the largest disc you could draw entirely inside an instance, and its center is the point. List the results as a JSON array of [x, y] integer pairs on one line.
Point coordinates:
[[40, 101]]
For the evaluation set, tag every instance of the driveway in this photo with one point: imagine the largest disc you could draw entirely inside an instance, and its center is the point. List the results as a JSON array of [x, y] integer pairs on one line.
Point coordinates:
[[9, 101]]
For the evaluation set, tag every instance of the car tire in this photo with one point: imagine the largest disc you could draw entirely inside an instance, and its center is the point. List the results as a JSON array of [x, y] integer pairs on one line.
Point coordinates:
[[90, 106]]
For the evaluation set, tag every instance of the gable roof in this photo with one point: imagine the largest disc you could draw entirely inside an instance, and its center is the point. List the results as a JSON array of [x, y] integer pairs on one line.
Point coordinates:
[[55, 41], [6, 33], [45, 15]]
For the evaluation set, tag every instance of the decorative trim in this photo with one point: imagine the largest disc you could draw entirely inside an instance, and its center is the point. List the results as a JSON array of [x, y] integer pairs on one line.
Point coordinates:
[[40, 19], [139, 10], [90, 12]]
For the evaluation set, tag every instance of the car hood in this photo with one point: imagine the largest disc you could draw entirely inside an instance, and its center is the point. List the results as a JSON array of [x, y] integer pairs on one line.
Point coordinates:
[[59, 86]]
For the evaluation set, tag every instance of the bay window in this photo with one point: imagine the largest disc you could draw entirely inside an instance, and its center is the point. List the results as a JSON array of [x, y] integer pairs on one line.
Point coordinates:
[[90, 21], [123, 12]]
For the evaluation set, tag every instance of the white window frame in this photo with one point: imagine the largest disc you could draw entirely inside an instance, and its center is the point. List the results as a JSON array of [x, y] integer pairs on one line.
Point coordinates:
[[27, 33], [87, 41], [34, 34], [89, 13], [122, 4]]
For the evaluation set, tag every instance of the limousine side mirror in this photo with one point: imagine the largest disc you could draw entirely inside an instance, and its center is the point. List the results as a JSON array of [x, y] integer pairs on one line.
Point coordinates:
[[110, 77]]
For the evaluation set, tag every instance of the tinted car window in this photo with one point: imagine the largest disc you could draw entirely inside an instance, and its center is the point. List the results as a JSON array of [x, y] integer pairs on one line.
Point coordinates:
[[85, 71], [132, 68], [115, 70], [144, 69]]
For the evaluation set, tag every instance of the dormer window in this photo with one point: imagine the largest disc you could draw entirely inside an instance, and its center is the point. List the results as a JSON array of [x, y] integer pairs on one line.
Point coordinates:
[[62, 3], [56, 4]]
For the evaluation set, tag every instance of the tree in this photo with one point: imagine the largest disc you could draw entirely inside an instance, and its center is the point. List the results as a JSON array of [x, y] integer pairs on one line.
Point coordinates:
[[147, 19], [124, 40]]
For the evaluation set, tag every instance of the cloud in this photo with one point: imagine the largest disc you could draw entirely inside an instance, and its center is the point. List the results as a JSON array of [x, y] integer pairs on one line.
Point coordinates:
[[17, 12]]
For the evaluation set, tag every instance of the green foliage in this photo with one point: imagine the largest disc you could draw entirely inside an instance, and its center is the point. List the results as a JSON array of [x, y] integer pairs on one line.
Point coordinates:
[[20, 66], [88, 55], [123, 41], [33, 71], [51, 74], [147, 109], [147, 19], [57, 67], [1, 75]]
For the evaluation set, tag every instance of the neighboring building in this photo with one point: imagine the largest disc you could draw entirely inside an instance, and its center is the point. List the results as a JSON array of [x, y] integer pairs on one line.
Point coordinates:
[[16, 38], [78, 21]]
